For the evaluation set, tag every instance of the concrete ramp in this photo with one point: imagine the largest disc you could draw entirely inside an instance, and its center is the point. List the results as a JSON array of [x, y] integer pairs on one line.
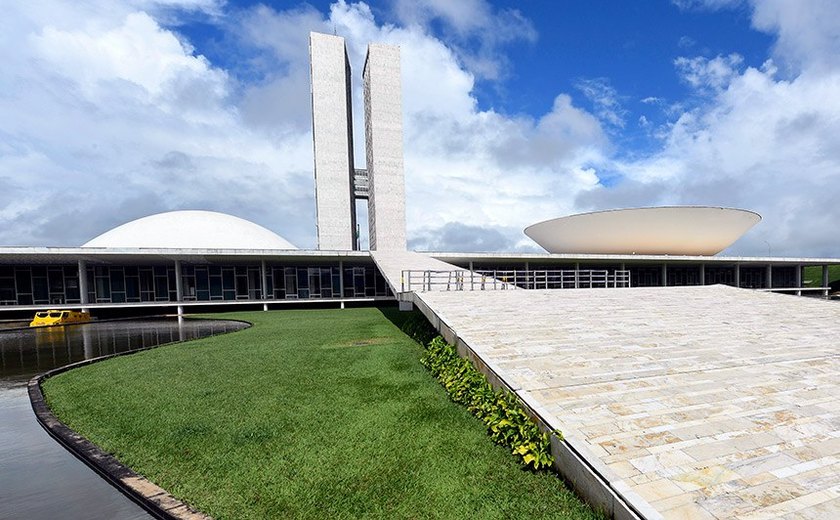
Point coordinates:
[[392, 264], [704, 402]]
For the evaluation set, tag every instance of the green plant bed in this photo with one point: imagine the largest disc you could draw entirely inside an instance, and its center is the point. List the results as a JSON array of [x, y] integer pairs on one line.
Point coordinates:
[[507, 423], [307, 414]]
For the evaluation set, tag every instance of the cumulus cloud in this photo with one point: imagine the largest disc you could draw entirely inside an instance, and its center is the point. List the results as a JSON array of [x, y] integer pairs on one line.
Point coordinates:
[[807, 34], [454, 236], [757, 139], [101, 104], [114, 115], [110, 114], [474, 29]]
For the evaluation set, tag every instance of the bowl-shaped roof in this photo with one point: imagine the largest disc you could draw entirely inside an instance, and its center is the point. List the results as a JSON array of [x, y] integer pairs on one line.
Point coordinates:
[[190, 230], [667, 230]]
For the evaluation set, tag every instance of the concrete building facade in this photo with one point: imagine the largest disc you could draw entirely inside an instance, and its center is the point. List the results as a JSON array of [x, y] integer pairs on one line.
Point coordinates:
[[384, 147], [332, 137]]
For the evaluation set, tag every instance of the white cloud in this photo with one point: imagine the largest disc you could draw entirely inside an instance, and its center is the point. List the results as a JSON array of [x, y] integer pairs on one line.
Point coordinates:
[[138, 52], [605, 100], [109, 115], [97, 105], [706, 4], [473, 29], [703, 73], [114, 116], [686, 42], [756, 140], [761, 143], [807, 32]]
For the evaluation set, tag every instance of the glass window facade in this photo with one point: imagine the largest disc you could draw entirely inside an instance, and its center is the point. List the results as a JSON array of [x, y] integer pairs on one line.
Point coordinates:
[[46, 285], [39, 285]]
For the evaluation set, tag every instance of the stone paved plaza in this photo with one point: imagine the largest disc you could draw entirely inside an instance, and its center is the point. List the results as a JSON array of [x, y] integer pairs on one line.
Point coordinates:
[[694, 402]]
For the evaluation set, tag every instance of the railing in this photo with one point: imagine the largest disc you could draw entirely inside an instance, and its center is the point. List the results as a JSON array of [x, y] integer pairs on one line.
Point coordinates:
[[462, 280]]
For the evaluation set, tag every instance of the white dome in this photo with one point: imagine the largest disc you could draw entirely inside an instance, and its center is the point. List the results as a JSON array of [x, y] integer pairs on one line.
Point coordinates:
[[190, 230], [665, 230]]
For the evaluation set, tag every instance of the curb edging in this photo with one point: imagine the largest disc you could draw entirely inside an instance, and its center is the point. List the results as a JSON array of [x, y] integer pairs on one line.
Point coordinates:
[[152, 498]]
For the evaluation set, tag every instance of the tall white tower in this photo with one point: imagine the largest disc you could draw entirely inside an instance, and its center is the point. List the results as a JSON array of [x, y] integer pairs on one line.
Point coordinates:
[[384, 147], [337, 183], [332, 137]]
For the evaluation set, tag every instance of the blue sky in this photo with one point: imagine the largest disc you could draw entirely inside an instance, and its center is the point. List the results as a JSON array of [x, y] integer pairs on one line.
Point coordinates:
[[514, 112], [626, 46]]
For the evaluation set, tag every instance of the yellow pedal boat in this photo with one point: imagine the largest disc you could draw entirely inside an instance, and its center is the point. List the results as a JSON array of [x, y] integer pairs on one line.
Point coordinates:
[[52, 318]]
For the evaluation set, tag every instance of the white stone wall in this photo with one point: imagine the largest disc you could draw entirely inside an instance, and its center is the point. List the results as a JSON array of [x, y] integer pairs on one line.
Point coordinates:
[[333, 142], [384, 147]]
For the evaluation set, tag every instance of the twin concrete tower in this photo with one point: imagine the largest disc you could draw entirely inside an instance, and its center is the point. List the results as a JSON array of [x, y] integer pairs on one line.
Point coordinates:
[[338, 183]]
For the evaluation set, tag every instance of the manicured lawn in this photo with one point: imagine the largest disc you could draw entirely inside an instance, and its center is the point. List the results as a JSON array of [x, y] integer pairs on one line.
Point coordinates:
[[814, 274], [308, 414]]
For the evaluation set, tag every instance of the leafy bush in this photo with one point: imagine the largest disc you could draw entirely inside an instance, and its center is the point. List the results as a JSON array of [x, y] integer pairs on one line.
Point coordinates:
[[506, 421]]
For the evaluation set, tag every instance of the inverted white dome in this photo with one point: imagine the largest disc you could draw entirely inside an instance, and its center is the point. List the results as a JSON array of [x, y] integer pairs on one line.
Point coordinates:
[[666, 230], [191, 230]]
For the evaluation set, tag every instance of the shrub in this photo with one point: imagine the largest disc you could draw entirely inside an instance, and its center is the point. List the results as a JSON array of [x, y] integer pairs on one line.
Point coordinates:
[[506, 421]]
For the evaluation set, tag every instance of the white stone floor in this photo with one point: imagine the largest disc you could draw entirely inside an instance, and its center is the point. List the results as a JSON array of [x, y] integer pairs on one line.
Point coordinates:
[[698, 402]]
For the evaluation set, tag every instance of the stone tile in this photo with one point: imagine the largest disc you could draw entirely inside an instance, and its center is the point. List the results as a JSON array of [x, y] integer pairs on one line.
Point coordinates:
[[658, 490], [675, 501], [688, 512], [731, 396], [754, 466]]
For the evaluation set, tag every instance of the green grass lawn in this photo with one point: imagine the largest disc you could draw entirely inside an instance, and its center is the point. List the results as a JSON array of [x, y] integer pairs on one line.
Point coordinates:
[[308, 414], [813, 275]]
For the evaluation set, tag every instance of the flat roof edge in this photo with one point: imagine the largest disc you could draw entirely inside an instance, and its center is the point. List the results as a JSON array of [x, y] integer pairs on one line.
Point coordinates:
[[587, 256]]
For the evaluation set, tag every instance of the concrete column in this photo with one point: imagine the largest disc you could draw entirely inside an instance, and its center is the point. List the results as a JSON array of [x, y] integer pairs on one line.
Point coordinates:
[[769, 283], [738, 275], [664, 275], [799, 279], [702, 274], [264, 281], [179, 285], [179, 295], [83, 286], [825, 280], [341, 281], [577, 274]]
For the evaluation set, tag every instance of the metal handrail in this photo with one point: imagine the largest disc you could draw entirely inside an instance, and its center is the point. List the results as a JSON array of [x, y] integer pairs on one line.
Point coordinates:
[[481, 280]]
